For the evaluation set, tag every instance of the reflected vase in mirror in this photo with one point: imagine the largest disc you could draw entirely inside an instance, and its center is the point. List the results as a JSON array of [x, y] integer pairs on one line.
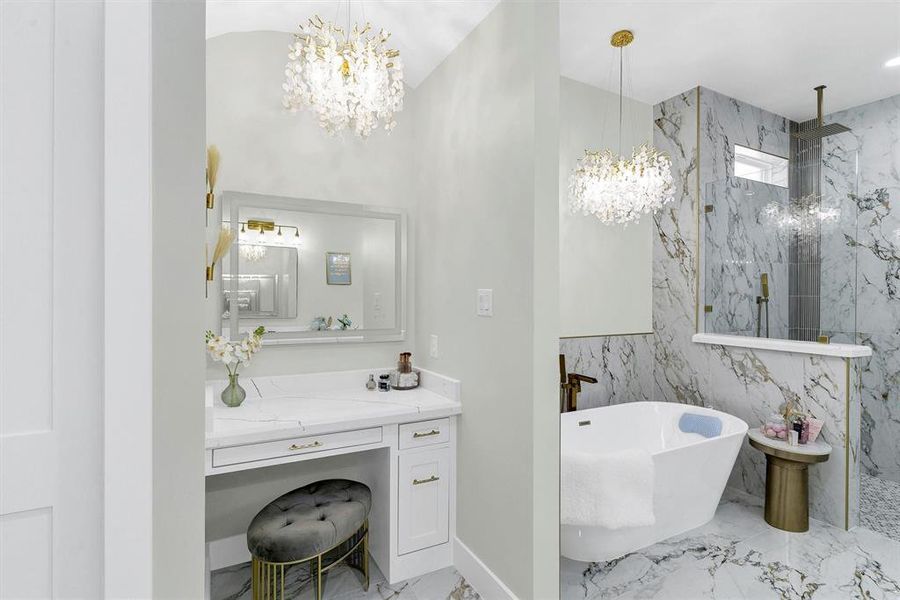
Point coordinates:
[[233, 394]]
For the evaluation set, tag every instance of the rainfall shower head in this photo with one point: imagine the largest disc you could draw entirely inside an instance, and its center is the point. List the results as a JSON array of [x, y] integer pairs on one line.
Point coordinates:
[[821, 129]]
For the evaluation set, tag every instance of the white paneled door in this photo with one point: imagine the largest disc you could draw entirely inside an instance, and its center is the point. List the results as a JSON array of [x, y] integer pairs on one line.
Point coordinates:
[[51, 290]]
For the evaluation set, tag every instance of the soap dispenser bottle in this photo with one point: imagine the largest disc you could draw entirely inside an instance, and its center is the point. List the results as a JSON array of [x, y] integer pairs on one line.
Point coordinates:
[[370, 384]]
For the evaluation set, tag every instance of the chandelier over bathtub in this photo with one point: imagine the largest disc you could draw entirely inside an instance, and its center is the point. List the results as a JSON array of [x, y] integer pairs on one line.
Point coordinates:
[[616, 189], [350, 79]]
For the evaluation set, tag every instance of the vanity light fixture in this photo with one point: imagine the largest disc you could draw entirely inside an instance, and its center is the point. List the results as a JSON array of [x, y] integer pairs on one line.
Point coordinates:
[[894, 62], [350, 79], [261, 226], [615, 189]]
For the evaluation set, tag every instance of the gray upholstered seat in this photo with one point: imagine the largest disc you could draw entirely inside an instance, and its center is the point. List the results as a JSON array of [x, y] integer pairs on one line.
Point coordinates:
[[309, 520]]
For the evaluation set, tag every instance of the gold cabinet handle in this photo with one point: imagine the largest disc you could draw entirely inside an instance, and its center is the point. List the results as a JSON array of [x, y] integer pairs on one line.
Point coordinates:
[[315, 444], [421, 434], [429, 480]]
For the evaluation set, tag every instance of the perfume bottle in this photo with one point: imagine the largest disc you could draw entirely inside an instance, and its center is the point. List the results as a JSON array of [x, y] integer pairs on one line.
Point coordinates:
[[370, 384]]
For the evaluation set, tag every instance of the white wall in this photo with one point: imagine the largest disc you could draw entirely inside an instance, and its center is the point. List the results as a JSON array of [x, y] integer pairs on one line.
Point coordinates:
[[480, 226], [268, 150], [601, 266], [178, 161], [127, 303]]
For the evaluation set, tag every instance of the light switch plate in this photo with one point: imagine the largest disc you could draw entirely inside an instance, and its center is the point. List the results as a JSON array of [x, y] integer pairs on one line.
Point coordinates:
[[485, 306], [433, 348]]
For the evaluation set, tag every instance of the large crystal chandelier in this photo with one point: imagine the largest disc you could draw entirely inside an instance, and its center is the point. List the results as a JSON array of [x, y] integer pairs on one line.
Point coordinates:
[[349, 78], [616, 189]]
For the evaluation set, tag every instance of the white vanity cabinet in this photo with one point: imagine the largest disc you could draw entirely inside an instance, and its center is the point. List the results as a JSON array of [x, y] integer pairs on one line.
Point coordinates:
[[409, 438], [424, 499]]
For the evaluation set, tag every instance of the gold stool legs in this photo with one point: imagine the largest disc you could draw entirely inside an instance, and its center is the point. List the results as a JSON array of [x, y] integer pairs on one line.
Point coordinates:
[[787, 494], [267, 578]]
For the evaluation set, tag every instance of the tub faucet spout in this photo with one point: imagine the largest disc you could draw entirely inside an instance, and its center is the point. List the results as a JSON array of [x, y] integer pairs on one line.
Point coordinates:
[[570, 386]]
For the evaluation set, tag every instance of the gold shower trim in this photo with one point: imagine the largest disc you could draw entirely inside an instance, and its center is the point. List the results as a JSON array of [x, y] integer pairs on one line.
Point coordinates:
[[847, 445], [697, 215], [579, 337]]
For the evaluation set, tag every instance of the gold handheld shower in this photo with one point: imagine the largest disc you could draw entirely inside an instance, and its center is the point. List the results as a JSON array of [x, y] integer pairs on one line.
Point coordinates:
[[760, 301]]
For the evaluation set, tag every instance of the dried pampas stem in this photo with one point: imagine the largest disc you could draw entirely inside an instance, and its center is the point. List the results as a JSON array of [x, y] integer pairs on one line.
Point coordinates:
[[226, 237], [212, 171]]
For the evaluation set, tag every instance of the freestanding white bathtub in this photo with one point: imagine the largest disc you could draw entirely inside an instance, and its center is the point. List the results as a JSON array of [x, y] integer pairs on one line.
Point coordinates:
[[690, 471]]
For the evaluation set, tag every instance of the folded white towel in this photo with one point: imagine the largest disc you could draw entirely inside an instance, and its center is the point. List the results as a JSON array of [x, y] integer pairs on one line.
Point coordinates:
[[612, 490]]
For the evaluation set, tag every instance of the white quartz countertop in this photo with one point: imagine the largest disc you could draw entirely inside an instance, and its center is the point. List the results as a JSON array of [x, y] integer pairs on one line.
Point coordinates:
[[283, 407]]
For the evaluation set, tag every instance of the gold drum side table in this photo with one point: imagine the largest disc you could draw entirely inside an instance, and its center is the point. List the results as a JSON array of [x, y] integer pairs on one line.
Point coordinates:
[[787, 479]]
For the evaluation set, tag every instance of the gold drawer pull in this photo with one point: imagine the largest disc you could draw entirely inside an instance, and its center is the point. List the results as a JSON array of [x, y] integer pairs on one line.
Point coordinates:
[[315, 444], [429, 480], [421, 434]]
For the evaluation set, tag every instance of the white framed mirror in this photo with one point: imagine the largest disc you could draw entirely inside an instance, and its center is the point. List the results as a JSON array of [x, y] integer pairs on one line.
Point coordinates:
[[313, 271]]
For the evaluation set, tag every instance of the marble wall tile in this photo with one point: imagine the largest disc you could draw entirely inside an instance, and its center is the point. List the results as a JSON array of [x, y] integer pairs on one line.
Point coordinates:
[[620, 363], [870, 233], [667, 365], [741, 242], [880, 399], [681, 366], [749, 384]]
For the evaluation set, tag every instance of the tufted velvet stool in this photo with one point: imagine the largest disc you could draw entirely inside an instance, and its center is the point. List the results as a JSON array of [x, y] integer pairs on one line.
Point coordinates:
[[322, 523]]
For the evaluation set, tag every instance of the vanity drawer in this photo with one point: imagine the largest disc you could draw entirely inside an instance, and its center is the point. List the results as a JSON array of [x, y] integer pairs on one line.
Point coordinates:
[[233, 455], [424, 433]]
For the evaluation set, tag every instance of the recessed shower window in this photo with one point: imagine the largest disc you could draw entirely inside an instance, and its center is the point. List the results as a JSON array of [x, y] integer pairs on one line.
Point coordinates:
[[760, 166]]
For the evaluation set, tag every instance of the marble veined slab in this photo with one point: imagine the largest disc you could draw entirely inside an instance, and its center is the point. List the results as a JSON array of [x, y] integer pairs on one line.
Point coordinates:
[[291, 405]]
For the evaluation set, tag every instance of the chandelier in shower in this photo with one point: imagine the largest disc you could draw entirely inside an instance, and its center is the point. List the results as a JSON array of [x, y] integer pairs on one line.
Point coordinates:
[[803, 216], [616, 189], [350, 79]]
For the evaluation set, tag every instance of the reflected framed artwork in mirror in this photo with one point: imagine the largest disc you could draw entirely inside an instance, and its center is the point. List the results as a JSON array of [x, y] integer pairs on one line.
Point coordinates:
[[272, 276]]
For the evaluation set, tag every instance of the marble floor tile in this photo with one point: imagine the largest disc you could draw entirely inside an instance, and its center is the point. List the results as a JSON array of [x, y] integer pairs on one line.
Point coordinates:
[[345, 583], [880, 506], [738, 556]]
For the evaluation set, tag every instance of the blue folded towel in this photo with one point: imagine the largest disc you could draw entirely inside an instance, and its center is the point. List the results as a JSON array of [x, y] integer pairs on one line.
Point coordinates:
[[703, 424]]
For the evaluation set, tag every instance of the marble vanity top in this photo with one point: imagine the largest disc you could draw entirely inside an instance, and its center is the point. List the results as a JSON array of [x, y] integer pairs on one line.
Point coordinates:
[[291, 405]]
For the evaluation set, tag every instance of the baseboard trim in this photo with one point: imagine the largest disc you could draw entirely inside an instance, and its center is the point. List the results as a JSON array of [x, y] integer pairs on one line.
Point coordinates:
[[227, 552], [488, 585]]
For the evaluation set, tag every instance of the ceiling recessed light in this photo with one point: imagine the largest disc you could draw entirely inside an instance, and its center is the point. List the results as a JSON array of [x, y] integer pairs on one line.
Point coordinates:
[[894, 62]]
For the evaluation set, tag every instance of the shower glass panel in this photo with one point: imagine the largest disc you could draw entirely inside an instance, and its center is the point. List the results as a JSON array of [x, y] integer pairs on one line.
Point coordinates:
[[780, 264]]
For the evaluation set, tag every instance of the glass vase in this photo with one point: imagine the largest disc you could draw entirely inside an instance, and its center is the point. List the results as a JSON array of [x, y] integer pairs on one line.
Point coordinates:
[[233, 394]]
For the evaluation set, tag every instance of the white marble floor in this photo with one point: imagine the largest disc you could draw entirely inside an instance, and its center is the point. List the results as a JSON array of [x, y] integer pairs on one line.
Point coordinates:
[[344, 583], [880, 506], [738, 556]]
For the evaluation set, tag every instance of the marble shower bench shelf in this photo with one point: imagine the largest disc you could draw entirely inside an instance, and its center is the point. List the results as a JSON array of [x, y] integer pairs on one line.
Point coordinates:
[[793, 346]]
